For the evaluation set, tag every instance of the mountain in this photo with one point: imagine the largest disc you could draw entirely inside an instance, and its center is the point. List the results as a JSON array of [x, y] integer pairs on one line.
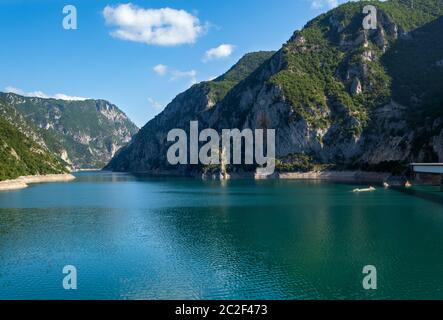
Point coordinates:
[[21, 149], [85, 134], [147, 150], [336, 94]]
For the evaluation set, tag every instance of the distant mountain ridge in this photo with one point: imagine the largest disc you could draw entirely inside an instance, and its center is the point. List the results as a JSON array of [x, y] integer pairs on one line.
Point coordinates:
[[335, 93], [84, 134], [22, 150]]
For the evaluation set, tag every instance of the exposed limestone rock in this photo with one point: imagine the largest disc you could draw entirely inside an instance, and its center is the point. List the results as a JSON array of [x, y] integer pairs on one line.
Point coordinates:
[[65, 157], [299, 42], [389, 138], [386, 23], [356, 87], [380, 39], [297, 39], [369, 56], [361, 39]]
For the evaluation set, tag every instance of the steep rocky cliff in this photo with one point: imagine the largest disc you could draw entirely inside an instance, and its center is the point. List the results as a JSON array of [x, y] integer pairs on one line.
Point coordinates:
[[85, 134], [148, 149], [335, 93]]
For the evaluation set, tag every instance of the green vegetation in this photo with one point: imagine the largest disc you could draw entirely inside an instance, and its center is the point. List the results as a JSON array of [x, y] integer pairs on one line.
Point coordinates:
[[20, 155], [306, 81], [219, 88], [315, 80], [353, 88], [419, 85], [295, 163], [216, 91], [88, 132], [411, 14], [245, 66]]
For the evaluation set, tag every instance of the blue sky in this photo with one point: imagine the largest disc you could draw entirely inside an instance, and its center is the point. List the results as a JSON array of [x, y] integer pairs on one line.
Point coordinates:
[[113, 53]]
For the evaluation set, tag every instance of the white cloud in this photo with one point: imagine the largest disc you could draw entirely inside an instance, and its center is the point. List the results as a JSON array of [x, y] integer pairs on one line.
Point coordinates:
[[155, 104], [164, 27], [318, 4], [61, 96], [40, 94], [160, 69], [222, 51], [176, 75], [192, 74]]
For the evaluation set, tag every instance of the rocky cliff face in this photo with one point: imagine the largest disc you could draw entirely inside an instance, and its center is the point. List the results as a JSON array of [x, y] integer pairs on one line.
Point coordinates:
[[85, 134], [148, 149], [342, 95]]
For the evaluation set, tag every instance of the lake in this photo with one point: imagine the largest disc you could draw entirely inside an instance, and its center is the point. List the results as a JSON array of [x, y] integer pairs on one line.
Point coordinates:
[[155, 238]]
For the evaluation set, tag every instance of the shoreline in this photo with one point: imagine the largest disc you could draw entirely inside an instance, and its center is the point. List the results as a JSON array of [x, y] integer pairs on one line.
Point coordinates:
[[337, 176], [86, 170], [333, 176], [24, 181]]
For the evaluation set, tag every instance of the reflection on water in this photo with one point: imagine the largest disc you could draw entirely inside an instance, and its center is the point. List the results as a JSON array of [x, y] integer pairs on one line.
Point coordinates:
[[151, 238], [430, 193]]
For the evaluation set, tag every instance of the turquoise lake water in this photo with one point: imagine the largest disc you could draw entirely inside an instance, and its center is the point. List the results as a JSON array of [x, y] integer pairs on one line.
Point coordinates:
[[150, 238]]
